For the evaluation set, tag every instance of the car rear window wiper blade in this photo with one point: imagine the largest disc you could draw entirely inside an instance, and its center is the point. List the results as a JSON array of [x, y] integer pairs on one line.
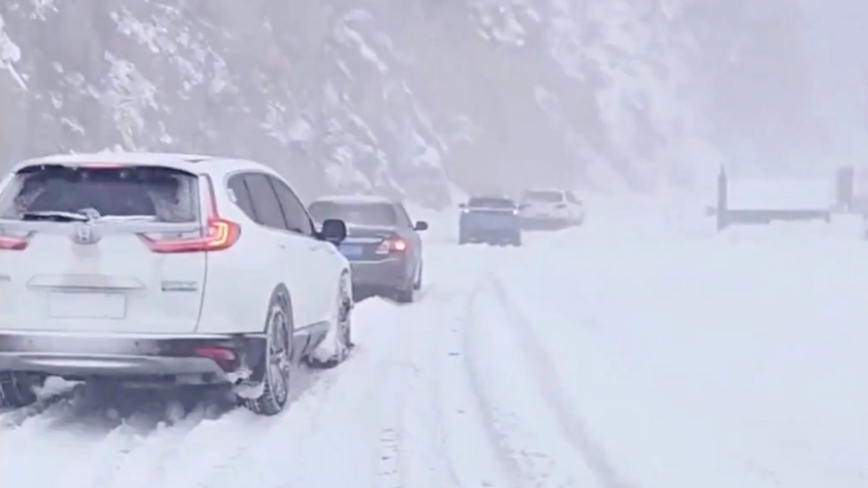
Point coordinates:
[[57, 216], [128, 218]]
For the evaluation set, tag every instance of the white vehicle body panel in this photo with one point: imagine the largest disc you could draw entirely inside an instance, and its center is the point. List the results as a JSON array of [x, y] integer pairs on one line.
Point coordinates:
[[561, 209], [119, 286], [106, 287]]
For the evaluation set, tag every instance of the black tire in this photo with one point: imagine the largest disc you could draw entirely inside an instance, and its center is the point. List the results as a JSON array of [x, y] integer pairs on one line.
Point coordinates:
[[418, 284], [16, 390], [344, 325], [405, 295], [278, 359]]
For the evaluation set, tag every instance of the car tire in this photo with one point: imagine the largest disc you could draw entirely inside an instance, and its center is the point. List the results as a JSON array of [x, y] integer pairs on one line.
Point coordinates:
[[405, 295], [278, 359], [16, 390], [343, 336], [516, 241], [418, 284]]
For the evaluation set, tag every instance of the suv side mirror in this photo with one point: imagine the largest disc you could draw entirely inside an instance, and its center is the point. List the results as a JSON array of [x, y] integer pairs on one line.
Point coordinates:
[[333, 230], [421, 225]]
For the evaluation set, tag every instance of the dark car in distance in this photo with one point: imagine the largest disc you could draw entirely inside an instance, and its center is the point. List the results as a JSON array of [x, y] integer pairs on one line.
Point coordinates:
[[491, 220], [382, 244]]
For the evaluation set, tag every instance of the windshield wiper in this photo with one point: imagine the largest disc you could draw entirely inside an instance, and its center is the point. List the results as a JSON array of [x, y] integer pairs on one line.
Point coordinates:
[[56, 216], [127, 218]]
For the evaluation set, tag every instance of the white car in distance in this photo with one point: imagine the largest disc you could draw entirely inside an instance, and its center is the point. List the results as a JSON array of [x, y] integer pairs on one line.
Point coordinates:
[[551, 207], [165, 270]]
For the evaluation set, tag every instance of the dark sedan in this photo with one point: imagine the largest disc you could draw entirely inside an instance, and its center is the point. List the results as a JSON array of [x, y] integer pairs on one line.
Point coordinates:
[[382, 244], [492, 220]]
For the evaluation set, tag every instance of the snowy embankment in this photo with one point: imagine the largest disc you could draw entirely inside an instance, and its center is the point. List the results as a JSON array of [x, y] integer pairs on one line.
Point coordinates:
[[697, 359], [629, 353]]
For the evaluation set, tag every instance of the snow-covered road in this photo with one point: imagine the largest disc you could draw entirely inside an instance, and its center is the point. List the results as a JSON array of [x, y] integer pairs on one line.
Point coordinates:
[[631, 353]]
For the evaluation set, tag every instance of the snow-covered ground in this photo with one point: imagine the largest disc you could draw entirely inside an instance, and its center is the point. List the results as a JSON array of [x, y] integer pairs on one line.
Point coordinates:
[[643, 350]]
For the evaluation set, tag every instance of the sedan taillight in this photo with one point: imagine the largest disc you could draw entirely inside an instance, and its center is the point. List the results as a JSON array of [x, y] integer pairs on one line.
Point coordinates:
[[393, 244]]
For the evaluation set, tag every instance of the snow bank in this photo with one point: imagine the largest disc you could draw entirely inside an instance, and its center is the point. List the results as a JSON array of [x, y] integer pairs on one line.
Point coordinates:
[[710, 361]]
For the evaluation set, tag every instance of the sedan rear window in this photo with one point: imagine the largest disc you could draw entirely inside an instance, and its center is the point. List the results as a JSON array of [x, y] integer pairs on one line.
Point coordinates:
[[544, 196], [489, 202], [376, 214], [138, 192]]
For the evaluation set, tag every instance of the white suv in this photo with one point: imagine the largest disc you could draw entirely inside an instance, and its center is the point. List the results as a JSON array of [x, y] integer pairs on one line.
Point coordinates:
[[551, 207], [156, 270]]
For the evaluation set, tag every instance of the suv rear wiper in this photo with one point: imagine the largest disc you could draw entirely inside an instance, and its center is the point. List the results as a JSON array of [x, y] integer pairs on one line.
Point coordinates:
[[56, 216]]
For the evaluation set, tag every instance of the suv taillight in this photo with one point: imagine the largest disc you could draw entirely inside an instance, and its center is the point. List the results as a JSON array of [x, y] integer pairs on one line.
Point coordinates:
[[13, 243], [221, 233]]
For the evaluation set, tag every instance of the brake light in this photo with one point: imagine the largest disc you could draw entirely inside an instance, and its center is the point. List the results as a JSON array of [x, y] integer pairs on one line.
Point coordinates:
[[9, 243], [394, 244], [221, 233]]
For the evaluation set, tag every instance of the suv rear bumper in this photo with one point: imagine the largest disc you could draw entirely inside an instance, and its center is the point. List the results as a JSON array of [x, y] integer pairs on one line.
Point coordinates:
[[159, 359]]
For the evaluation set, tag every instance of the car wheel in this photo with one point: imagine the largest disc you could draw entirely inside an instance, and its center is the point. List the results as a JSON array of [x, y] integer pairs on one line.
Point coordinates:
[[418, 284], [338, 351], [16, 390], [278, 360], [405, 295]]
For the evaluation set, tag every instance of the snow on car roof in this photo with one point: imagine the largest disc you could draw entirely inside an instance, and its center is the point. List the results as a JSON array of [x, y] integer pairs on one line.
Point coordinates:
[[544, 190], [117, 158], [348, 199], [489, 198]]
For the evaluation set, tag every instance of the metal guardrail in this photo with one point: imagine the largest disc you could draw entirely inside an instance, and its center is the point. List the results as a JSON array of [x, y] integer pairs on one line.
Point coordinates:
[[727, 217]]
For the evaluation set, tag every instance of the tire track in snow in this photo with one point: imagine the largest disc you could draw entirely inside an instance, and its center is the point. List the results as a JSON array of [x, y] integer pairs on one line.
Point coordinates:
[[417, 446], [381, 421], [400, 413], [92, 445], [353, 433], [458, 440], [569, 422], [72, 434], [497, 441], [503, 395]]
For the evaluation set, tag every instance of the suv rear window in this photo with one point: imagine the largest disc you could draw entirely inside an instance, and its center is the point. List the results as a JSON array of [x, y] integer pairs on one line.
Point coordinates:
[[142, 192], [544, 196], [490, 202], [382, 214]]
